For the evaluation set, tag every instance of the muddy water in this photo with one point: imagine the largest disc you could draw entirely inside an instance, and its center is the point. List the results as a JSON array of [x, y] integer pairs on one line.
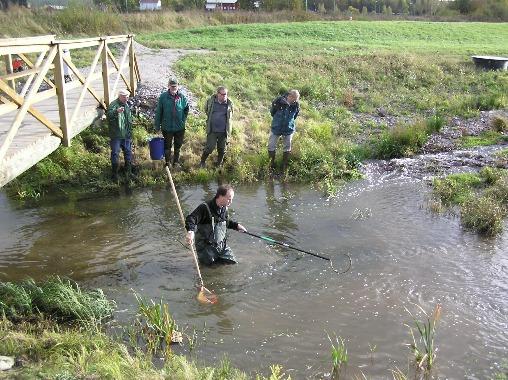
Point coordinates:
[[277, 306]]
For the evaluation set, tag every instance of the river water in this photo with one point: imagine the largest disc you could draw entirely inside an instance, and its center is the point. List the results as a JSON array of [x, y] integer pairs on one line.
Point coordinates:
[[277, 305]]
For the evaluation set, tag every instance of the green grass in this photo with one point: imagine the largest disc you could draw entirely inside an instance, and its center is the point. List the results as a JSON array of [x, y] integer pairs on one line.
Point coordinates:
[[58, 298], [484, 139], [481, 197]]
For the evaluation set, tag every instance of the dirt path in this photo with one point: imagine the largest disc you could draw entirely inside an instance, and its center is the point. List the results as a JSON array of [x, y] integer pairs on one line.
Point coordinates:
[[156, 67]]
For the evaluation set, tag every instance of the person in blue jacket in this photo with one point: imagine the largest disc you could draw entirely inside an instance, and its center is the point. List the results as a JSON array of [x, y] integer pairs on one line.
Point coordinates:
[[170, 116], [284, 111]]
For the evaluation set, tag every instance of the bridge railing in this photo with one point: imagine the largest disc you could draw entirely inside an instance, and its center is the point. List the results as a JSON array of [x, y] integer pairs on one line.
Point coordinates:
[[35, 70]]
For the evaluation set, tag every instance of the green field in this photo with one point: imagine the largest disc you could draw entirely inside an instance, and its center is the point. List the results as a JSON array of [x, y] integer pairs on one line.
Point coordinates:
[[420, 71]]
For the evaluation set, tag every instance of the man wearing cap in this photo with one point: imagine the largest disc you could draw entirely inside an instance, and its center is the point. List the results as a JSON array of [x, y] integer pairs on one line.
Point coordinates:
[[120, 132], [219, 110], [170, 115]]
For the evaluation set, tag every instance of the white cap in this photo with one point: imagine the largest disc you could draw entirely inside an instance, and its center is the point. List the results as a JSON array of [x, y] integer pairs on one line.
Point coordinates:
[[124, 92]]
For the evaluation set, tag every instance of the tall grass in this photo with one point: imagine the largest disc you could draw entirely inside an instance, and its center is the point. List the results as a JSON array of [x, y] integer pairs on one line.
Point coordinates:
[[57, 298], [339, 356], [423, 347]]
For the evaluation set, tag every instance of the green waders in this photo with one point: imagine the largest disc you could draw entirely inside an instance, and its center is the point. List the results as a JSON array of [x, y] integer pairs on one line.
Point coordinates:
[[211, 242]]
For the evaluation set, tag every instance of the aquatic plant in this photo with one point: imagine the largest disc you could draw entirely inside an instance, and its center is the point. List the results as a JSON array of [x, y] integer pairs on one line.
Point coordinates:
[[398, 374], [157, 324], [339, 355], [423, 348]]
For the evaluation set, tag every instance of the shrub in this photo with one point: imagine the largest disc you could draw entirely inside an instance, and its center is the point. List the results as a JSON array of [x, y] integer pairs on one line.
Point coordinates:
[[499, 124], [401, 141], [483, 215]]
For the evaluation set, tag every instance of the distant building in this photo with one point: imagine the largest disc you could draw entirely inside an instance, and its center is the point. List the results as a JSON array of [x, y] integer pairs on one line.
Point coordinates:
[[222, 5], [150, 5]]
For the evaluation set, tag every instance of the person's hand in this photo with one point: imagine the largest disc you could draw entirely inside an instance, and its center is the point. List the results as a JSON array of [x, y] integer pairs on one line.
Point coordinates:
[[190, 237], [241, 228], [120, 109]]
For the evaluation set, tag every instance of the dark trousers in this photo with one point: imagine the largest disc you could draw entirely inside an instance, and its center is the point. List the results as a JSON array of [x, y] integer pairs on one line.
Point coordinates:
[[125, 145], [215, 139], [169, 138]]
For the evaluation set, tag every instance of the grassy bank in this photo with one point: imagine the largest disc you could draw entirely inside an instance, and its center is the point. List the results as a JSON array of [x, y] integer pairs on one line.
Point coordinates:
[[420, 72], [481, 198]]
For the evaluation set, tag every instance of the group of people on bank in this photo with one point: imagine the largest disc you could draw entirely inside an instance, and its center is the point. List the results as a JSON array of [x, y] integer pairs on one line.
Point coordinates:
[[207, 225], [171, 116]]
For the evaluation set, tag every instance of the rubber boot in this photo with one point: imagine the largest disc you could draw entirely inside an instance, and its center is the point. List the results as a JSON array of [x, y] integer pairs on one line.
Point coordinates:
[[220, 159], [271, 155], [114, 172], [176, 159], [128, 170], [202, 164], [285, 162]]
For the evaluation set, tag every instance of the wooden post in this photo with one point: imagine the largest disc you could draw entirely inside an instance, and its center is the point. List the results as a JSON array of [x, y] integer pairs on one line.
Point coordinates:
[[105, 72], [132, 67], [8, 70], [62, 99]]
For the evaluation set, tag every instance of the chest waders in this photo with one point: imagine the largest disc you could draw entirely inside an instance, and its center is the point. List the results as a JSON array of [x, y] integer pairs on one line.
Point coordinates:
[[211, 241]]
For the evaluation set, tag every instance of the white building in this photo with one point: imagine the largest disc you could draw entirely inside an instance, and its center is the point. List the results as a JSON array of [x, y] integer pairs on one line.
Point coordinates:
[[221, 5], [150, 5]]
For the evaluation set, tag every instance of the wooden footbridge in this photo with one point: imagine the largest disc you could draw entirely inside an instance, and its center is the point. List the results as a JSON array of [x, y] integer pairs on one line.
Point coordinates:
[[40, 109]]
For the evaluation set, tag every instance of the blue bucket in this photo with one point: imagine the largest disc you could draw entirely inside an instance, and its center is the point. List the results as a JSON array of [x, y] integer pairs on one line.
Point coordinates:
[[156, 148]]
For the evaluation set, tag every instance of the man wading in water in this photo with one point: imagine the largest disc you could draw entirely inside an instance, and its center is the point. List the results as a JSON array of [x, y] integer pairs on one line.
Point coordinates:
[[209, 222]]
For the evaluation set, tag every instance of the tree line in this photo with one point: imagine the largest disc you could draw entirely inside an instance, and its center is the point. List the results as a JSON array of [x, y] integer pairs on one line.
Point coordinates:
[[491, 10]]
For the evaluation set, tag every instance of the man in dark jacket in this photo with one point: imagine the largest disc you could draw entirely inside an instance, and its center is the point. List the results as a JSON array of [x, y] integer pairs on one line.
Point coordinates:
[[170, 116], [120, 132], [219, 110], [207, 225], [284, 110]]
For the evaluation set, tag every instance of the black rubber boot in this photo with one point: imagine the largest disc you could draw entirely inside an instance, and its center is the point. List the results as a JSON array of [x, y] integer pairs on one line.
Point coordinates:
[[128, 170], [202, 164], [220, 159], [285, 162], [176, 158], [114, 172], [271, 155]]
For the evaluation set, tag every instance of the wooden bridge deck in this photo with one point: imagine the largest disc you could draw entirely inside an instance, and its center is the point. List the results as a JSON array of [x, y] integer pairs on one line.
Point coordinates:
[[34, 141], [25, 140]]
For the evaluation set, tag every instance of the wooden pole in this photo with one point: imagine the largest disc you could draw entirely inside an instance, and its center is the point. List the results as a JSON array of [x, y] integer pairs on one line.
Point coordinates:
[[62, 98], [8, 70], [105, 72], [132, 67]]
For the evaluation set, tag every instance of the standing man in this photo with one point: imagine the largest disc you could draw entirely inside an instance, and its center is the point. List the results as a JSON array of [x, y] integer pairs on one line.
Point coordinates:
[[208, 225], [219, 110], [284, 110], [170, 116], [120, 132]]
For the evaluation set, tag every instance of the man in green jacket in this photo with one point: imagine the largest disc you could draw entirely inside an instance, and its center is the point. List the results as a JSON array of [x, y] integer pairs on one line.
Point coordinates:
[[120, 132], [219, 110], [170, 116]]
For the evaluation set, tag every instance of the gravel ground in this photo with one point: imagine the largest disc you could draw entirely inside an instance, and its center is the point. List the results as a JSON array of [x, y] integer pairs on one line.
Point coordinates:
[[155, 66]]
